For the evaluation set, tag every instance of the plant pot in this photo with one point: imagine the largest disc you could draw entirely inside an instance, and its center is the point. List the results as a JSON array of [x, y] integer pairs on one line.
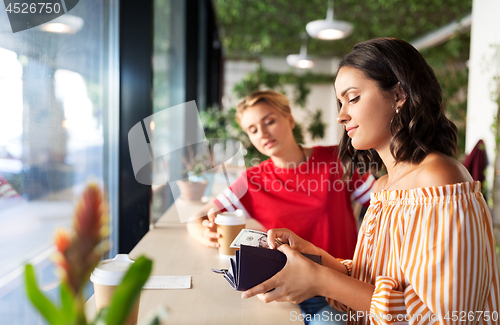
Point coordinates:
[[192, 191], [210, 179]]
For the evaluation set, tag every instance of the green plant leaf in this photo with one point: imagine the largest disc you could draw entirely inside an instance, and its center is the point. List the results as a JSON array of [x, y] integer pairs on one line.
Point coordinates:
[[128, 291], [101, 317], [317, 127], [298, 134], [67, 300], [39, 300], [69, 308]]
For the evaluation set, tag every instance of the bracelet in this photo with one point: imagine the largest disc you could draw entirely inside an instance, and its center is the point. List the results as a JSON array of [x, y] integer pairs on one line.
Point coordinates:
[[347, 268]]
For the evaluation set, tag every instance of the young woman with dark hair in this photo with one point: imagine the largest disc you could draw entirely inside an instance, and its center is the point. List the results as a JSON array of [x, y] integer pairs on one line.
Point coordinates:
[[419, 125], [426, 249]]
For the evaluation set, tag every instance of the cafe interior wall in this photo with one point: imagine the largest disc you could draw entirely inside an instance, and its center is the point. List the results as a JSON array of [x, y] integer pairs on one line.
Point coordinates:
[[484, 93], [322, 96], [252, 30], [484, 66]]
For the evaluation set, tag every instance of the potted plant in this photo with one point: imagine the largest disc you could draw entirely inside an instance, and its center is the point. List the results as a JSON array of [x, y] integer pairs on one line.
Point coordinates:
[[192, 187], [78, 253]]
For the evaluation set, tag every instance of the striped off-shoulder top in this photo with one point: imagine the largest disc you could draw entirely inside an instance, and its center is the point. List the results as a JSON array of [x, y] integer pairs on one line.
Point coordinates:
[[430, 252]]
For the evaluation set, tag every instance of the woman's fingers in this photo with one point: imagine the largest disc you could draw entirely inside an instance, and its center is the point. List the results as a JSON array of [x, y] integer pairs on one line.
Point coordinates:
[[210, 234], [264, 289], [274, 295], [278, 294], [209, 225], [283, 235], [271, 237], [287, 250], [292, 283], [211, 215], [260, 289], [211, 243]]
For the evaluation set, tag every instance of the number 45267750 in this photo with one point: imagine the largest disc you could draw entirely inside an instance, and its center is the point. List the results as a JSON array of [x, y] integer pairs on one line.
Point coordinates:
[[33, 8]]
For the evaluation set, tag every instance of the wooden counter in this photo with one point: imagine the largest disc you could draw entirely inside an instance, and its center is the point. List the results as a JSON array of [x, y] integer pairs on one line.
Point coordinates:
[[211, 300]]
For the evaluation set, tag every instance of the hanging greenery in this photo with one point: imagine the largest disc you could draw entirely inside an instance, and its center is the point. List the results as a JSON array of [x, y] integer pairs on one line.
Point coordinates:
[[264, 79], [222, 123], [317, 128], [252, 28]]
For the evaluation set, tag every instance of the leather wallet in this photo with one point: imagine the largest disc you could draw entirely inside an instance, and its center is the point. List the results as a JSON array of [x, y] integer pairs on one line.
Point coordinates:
[[254, 265]]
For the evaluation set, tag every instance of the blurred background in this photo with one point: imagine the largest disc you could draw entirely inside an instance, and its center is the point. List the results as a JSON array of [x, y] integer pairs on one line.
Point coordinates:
[[71, 89]]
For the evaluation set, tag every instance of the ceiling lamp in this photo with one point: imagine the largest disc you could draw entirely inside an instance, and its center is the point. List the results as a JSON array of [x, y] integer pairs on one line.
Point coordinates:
[[65, 24], [301, 60], [329, 29]]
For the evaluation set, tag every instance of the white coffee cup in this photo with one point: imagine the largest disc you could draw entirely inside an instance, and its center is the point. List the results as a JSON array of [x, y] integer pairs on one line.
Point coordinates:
[[107, 275], [229, 225]]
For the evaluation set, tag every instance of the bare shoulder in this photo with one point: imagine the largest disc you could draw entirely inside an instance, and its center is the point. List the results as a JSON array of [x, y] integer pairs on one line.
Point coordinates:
[[438, 170], [379, 184]]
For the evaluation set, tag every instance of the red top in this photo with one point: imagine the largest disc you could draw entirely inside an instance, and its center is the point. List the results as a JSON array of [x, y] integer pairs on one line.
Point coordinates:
[[311, 200]]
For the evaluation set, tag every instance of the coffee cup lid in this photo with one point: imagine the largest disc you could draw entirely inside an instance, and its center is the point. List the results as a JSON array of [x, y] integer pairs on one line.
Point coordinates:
[[111, 272], [231, 218]]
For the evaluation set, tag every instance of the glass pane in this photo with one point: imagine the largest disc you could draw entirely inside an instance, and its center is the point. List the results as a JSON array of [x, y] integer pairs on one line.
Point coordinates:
[[168, 83], [53, 104]]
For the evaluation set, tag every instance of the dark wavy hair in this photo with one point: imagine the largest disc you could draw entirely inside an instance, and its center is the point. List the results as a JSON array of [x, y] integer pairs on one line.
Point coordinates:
[[421, 126]]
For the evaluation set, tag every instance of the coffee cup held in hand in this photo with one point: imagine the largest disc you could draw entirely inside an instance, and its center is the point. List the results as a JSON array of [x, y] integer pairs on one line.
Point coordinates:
[[229, 225], [107, 275]]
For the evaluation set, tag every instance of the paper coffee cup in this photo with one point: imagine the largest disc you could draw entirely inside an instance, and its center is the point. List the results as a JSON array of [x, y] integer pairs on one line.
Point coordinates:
[[229, 225], [107, 275]]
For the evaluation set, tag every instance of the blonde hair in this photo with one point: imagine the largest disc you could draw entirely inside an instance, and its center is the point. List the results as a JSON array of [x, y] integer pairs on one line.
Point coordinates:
[[273, 98]]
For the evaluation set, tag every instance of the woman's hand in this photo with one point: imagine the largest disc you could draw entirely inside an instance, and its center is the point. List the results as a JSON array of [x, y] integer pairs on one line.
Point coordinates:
[[295, 283], [287, 236], [203, 229], [210, 235]]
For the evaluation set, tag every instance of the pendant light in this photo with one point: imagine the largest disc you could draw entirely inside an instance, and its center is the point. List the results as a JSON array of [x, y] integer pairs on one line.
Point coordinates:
[[301, 60], [329, 29]]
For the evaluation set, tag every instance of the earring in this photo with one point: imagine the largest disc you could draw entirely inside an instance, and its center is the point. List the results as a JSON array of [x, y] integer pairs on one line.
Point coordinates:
[[397, 110]]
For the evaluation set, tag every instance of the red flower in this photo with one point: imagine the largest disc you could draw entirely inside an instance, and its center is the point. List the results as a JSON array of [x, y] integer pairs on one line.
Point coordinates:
[[62, 241], [80, 252]]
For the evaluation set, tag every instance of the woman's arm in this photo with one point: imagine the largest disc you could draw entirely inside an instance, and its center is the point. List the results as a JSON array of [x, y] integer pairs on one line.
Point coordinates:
[[302, 279], [447, 255]]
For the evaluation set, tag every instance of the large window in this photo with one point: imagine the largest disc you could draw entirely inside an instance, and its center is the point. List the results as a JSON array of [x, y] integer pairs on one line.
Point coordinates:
[[55, 100], [169, 90], [69, 94], [186, 67]]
